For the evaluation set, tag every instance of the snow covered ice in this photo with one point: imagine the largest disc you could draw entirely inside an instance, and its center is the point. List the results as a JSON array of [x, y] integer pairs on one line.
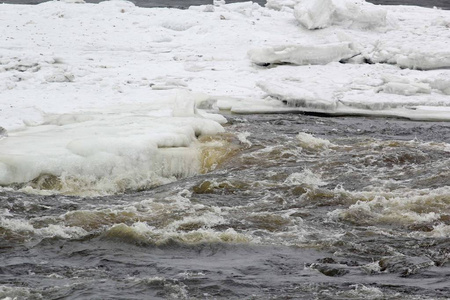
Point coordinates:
[[315, 14], [102, 92], [302, 54], [121, 150]]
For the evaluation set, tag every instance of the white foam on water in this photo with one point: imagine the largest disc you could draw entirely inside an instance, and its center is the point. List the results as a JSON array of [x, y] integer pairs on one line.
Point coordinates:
[[176, 218], [206, 220], [142, 233], [362, 291], [306, 177], [438, 231], [175, 289], [15, 293], [20, 226], [242, 136], [399, 208], [309, 142]]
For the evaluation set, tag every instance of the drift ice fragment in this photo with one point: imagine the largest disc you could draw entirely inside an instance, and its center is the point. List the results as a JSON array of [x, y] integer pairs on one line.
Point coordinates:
[[303, 54], [412, 58], [294, 96], [316, 14]]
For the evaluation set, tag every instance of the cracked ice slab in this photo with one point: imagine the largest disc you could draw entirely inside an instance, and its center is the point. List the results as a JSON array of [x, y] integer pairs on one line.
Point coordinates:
[[302, 54], [316, 14]]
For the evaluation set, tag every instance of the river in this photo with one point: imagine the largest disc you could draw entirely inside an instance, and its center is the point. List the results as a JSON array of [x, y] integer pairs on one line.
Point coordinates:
[[186, 3]]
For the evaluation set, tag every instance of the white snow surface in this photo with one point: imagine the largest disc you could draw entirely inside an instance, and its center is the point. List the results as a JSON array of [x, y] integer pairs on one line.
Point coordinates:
[[112, 90], [314, 14]]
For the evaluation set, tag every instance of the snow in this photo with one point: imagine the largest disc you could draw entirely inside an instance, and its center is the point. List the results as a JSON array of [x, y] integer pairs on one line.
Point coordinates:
[[96, 93], [315, 14]]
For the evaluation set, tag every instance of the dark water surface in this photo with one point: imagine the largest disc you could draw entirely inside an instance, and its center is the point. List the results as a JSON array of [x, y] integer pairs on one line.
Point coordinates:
[[186, 3]]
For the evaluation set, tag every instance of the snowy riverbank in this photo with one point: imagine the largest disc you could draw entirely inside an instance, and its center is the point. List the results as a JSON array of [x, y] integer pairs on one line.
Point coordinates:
[[96, 90]]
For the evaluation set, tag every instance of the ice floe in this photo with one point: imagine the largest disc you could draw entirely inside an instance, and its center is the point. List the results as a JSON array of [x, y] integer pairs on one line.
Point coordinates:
[[315, 14], [302, 54], [107, 151]]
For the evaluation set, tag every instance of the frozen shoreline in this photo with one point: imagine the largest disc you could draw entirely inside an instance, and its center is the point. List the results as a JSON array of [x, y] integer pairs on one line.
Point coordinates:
[[64, 57], [115, 61]]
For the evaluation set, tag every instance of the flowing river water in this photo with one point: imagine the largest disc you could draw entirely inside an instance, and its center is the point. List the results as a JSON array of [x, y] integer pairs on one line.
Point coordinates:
[[307, 207], [301, 207]]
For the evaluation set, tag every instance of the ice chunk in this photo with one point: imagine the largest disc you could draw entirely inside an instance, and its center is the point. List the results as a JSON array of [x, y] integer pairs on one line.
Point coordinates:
[[316, 14], [427, 56], [107, 152], [423, 61], [169, 84], [218, 2], [404, 86], [303, 54], [406, 89], [441, 84], [415, 60], [60, 76], [280, 4], [209, 8], [296, 96]]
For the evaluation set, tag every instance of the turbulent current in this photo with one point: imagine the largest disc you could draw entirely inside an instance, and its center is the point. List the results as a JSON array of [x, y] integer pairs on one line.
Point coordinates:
[[307, 208]]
